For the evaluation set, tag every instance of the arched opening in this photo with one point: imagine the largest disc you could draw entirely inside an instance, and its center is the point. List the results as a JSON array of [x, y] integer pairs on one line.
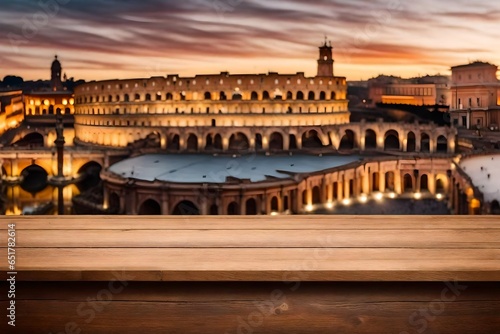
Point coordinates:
[[495, 208], [91, 176], [278, 95], [265, 95], [258, 142], [251, 207], [442, 144], [222, 96], [208, 96], [425, 143], [411, 142], [274, 204], [214, 210], [34, 139], [218, 142], [316, 195], [114, 203], [322, 96], [335, 190], [233, 209], [137, 97], [186, 208], [239, 141], [174, 143], [311, 96], [286, 207], [348, 141], [254, 96], [407, 183], [332, 96], [192, 143], [276, 141], [237, 96], [304, 197], [424, 183], [51, 110], [391, 141], [389, 181], [300, 95], [441, 185], [150, 207], [209, 142], [148, 97], [169, 97], [34, 179], [370, 140], [310, 139], [289, 95], [292, 142], [375, 181]]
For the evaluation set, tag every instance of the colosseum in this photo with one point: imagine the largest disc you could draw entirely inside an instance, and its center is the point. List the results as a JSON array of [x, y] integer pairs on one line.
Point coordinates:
[[264, 125]]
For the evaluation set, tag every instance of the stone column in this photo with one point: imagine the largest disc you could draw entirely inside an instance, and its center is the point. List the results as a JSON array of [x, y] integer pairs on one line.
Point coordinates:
[[365, 179], [347, 193], [381, 180], [286, 143], [397, 182]]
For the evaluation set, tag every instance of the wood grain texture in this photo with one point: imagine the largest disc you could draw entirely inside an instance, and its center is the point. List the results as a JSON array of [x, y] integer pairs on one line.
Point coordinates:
[[211, 307]]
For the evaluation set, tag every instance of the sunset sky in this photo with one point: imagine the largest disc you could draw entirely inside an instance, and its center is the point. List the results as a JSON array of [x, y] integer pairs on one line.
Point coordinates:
[[106, 39]]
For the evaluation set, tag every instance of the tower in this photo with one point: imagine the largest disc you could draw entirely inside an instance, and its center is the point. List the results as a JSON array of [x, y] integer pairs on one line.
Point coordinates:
[[55, 77], [325, 61]]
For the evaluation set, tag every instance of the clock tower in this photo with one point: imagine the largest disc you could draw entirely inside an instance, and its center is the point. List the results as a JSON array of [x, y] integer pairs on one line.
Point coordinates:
[[325, 61]]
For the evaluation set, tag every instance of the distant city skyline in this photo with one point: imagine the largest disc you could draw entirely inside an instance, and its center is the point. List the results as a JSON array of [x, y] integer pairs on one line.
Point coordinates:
[[111, 39]]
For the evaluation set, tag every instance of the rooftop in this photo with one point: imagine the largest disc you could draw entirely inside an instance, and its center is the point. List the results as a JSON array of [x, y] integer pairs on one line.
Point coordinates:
[[216, 169]]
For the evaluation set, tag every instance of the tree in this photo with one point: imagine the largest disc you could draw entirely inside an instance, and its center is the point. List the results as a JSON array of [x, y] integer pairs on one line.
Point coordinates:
[[13, 81]]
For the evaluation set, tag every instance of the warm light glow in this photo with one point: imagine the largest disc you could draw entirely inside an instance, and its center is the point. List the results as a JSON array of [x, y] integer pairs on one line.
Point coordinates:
[[346, 201], [72, 101], [274, 213], [392, 195], [38, 103], [329, 205], [439, 196], [65, 102], [32, 102], [309, 208], [13, 124], [363, 198], [379, 196], [417, 195], [46, 102]]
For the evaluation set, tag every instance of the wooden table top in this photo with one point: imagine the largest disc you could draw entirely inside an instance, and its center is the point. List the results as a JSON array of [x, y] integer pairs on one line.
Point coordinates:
[[258, 248]]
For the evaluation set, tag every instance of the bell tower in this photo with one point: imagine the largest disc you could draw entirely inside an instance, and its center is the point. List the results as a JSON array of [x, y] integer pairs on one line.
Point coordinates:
[[325, 61], [55, 75]]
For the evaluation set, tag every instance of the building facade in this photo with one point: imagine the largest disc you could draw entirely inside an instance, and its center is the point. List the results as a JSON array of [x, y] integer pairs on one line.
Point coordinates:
[[475, 96]]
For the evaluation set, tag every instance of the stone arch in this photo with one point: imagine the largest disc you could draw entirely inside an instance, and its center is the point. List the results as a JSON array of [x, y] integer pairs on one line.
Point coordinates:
[[265, 95], [348, 141], [218, 142], [425, 143], [186, 208], [174, 142], [239, 141], [442, 144], [424, 182], [442, 184], [251, 207], [311, 96], [233, 209], [192, 142], [300, 95], [208, 96], [33, 139], [411, 142], [150, 207], [214, 210], [332, 96], [304, 197], [316, 195], [322, 96], [274, 204], [292, 145], [254, 96], [91, 176], [169, 97], [222, 96], [35, 179], [147, 97], [370, 139], [311, 139], [237, 96], [390, 181], [276, 141], [289, 95], [391, 141], [407, 183]]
